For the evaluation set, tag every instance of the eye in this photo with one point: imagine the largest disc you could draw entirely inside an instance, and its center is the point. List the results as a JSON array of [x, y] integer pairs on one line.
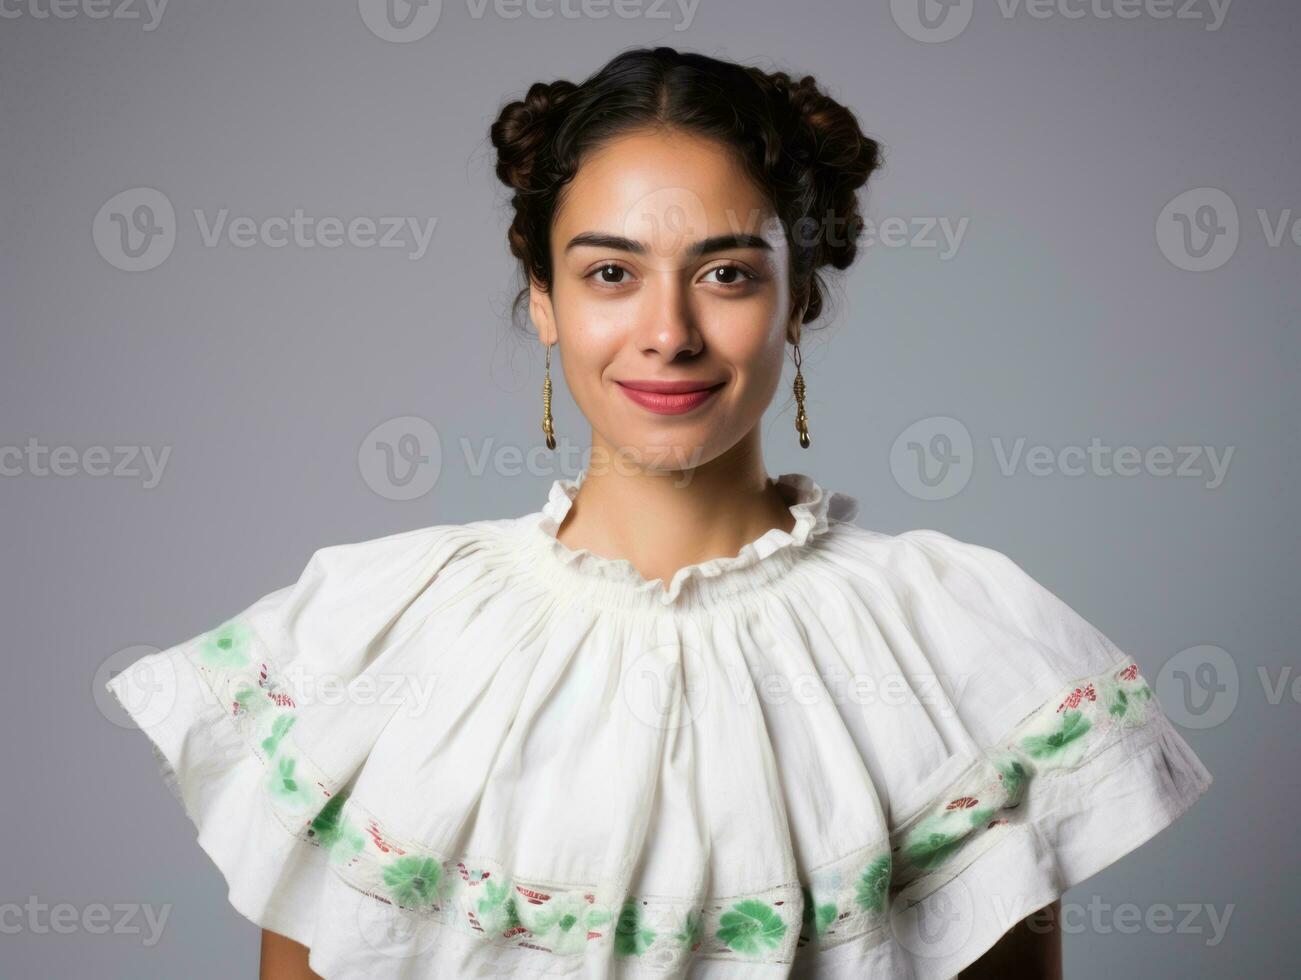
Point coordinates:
[[731, 275], [608, 274]]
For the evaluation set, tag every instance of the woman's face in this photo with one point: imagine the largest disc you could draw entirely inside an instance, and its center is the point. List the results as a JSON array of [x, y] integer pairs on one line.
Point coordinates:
[[668, 266]]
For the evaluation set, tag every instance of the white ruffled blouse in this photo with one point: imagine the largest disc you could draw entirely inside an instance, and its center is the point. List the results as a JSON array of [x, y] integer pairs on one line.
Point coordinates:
[[470, 750]]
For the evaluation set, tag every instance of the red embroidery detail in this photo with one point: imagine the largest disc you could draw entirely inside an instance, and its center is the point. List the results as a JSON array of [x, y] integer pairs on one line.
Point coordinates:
[[472, 878], [535, 898], [1076, 696], [380, 842], [962, 803], [1129, 673]]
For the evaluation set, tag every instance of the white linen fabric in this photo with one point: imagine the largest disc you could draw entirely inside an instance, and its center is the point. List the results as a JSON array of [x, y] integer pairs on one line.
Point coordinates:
[[470, 750]]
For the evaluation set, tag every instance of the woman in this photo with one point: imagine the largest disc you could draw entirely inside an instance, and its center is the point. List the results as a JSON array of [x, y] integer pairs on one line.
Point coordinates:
[[684, 719]]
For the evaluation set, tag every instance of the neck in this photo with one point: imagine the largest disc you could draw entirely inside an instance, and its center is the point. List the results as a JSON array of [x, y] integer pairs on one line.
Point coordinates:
[[661, 520]]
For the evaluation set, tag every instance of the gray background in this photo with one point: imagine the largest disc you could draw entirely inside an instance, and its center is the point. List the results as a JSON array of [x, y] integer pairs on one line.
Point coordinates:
[[1059, 319]]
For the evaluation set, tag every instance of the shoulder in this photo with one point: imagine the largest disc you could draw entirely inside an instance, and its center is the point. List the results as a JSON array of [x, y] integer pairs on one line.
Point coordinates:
[[969, 604], [925, 554], [436, 544], [352, 591]]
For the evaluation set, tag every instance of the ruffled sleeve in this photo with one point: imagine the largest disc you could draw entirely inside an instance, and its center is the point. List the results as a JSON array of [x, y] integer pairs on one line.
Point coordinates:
[[1057, 759], [259, 723]]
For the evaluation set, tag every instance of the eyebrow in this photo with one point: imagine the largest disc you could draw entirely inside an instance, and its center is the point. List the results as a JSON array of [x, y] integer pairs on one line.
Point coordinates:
[[596, 239]]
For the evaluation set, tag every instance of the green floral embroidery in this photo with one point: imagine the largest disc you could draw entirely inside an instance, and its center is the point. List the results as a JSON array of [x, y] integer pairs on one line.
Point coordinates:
[[252, 699], [873, 885], [339, 837], [692, 931], [325, 826], [413, 881], [936, 839], [751, 927], [286, 787], [1073, 726], [279, 728], [227, 646], [630, 938], [816, 917], [490, 903], [1014, 776], [496, 910], [1121, 701], [563, 921], [929, 848]]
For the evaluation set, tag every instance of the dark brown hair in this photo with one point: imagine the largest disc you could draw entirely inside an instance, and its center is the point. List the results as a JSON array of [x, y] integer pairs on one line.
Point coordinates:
[[802, 147]]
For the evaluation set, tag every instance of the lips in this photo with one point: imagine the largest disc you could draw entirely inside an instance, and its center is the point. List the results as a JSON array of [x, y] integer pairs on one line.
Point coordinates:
[[670, 397]]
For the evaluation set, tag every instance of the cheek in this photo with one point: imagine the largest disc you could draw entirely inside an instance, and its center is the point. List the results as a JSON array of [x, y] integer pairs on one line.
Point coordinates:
[[753, 344], [590, 333]]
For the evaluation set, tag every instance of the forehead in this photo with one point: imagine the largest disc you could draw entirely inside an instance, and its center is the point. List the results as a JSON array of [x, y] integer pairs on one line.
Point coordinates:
[[662, 187]]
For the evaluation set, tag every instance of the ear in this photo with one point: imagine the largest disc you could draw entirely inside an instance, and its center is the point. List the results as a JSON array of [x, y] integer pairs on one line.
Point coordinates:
[[541, 312], [796, 322]]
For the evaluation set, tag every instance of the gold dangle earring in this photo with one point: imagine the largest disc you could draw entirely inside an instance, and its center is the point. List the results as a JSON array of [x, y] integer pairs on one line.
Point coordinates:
[[547, 426], [801, 419]]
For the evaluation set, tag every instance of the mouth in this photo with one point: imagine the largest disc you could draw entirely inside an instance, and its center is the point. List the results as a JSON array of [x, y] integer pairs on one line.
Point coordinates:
[[669, 397]]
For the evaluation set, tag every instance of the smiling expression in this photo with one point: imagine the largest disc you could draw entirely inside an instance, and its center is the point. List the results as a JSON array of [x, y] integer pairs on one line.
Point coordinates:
[[670, 298]]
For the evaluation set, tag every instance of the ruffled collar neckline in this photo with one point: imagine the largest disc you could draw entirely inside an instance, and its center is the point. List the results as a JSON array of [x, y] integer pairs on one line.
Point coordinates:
[[603, 581]]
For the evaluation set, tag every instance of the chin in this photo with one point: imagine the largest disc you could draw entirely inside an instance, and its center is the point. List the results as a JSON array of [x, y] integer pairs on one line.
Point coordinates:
[[658, 455]]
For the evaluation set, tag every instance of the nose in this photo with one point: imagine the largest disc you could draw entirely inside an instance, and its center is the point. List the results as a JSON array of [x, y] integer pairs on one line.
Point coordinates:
[[667, 324]]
